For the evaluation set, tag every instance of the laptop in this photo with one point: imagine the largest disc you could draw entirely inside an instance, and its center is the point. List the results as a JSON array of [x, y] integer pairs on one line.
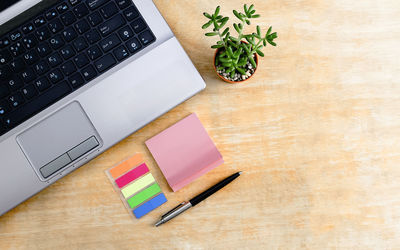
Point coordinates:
[[76, 77]]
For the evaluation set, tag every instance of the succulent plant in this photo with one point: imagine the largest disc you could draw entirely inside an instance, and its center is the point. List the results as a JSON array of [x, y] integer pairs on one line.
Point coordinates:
[[235, 52]]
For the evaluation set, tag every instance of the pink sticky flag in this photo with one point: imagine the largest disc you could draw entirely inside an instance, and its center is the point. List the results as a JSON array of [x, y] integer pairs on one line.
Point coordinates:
[[184, 152], [131, 175]]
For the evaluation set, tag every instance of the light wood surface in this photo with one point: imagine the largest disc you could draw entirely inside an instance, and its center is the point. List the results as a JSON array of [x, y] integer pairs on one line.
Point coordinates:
[[316, 132]]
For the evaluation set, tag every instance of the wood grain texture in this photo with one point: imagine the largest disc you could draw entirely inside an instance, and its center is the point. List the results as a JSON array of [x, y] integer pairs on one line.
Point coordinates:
[[316, 132]]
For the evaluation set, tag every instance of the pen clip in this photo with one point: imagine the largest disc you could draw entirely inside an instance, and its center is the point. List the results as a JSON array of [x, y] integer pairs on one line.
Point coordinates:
[[173, 210]]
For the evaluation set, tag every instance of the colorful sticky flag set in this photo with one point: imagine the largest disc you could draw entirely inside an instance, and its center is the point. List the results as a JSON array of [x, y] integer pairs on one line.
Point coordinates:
[[137, 186]]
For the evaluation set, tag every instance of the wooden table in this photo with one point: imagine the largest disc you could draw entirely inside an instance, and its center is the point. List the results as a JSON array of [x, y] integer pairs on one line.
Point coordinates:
[[316, 132]]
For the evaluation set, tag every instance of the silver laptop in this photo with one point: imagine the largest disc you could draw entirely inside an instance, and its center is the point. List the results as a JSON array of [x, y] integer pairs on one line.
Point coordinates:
[[76, 77]]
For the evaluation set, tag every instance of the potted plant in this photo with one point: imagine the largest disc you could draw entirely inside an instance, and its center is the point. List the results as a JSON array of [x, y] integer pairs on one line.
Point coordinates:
[[236, 58]]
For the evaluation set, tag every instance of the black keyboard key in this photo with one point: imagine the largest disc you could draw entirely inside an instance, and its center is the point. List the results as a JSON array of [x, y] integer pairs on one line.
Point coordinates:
[[81, 10], [138, 25], [17, 65], [54, 59], [43, 33], [81, 60], [56, 26], [5, 56], [89, 73], [68, 18], [4, 42], [105, 63], [29, 91], [14, 36], [131, 13], [109, 10], [37, 105], [39, 21], [133, 45], [56, 42], [125, 33], [94, 52], [51, 14], [62, 8], [28, 75], [4, 91], [15, 83], [95, 18], [74, 2], [5, 72], [27, 28], [41, 67], [42, 84], [17, 49], [67, 52], [93, 4], [76, 80], [68, 68], [55, 76], [82, 26], [93, 36], [80, 44], [29, 41], [4, 108], [69, 34], [31, 57], [111, 25], [109, 43], [122, 4], [121, 53], [15, 100], [43, 49], [146, 37]]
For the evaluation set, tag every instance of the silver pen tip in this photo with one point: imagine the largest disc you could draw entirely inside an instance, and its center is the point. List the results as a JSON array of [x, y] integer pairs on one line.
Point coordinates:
[[240, 172], [159, 223]]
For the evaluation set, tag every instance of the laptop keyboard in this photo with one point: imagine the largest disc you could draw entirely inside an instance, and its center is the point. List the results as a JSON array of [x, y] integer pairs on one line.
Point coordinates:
[[62, 49]]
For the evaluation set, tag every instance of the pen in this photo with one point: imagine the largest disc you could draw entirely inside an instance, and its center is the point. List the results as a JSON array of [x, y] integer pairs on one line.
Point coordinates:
[[196, 200]]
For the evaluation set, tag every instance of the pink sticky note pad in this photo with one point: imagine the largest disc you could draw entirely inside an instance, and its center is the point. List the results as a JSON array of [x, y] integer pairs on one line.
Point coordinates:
[[184, 152]]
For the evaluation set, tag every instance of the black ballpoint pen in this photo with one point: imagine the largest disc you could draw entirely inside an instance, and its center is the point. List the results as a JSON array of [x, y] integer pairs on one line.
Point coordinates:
[[196, 200]]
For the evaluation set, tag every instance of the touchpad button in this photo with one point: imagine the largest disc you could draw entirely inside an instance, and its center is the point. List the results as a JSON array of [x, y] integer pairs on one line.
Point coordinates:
[[59, 140]]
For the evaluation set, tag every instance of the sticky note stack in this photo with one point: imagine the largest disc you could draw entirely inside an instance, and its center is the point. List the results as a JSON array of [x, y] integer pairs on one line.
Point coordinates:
[[137, 186]]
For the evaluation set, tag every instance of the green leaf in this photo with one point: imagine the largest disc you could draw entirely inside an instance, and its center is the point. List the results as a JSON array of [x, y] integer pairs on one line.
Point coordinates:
[[218, 17], [246, 48], [232, 74], [234, 39], [245, 8], [206, 25], [260, 53], [238, 15], [252, 12], [255, 16], [217, 46], [223, 21], [272, 43], [225, 32], [236, 28], [242, 62], [207, 15], [264, 42], [251, 7], [232, 44], [211, 34], [258, 31], [230, 52], [241, 71], [224, 59], [238, 52], [247, 21], [230, 70], [217, 10], [240, 26], [274, 35], [227, 64], [251, 59]]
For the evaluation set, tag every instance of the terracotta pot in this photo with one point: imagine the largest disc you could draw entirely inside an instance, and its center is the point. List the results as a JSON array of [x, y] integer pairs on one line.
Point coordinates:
[[229, 81]]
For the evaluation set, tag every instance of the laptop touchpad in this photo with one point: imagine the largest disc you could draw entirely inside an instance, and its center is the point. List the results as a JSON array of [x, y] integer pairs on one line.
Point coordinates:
[[58, 141]]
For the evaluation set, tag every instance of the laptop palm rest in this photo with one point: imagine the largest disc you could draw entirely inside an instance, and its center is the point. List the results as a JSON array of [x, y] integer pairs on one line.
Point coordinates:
[[59, 140]]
